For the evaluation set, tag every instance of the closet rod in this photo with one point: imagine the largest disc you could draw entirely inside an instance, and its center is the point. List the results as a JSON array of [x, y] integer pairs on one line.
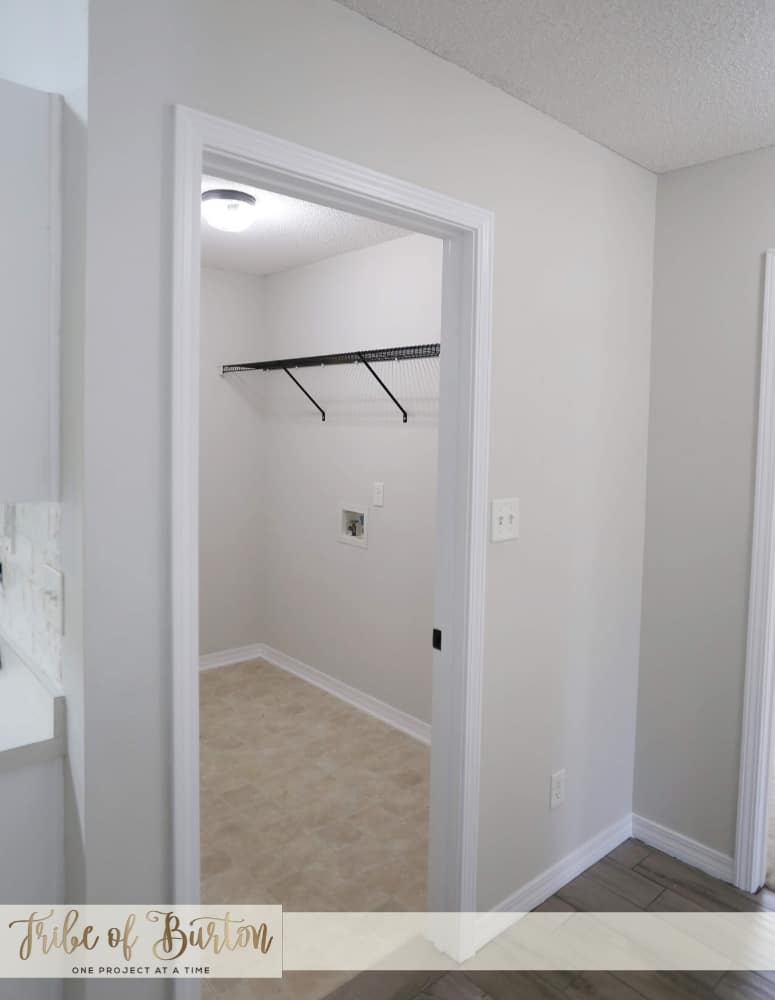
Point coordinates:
[[367, 358]]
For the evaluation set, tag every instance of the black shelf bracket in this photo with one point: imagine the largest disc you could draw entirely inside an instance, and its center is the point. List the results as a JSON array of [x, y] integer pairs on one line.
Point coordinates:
[[368, 358], [365, 362], [314, 402]]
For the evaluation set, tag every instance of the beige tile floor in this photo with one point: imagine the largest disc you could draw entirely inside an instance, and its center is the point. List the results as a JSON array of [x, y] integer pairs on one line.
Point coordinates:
[[308, 802]]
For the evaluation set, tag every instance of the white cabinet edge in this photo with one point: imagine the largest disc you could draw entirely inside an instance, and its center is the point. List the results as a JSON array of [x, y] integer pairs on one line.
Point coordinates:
[[56, 249]]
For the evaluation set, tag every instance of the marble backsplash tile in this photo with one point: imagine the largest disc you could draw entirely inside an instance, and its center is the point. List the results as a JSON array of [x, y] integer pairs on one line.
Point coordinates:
[[30, 603]]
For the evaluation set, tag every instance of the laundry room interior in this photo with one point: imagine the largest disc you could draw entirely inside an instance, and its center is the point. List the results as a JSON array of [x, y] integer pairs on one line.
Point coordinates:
[[317, 553]]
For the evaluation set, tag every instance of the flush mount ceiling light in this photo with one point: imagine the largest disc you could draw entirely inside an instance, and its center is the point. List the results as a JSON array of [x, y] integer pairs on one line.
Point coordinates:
[[228, 210]]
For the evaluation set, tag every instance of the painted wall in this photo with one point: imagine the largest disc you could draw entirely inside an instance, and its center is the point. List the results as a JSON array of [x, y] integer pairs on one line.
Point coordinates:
[[274, 476], [573, 269], [43, 44], [714, 223], [31, 854], [32, 862], [364, 616], [31, 849], [232, 475]]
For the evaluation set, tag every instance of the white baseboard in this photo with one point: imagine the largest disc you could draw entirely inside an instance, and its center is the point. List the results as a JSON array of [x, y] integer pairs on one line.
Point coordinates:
[[539, 889], [391, 716], [677, 845], [365, 702], [229, 657]]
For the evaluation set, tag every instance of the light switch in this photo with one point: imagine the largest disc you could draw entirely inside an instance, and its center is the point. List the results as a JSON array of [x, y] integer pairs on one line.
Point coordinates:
[[379, 495], [505, 519]]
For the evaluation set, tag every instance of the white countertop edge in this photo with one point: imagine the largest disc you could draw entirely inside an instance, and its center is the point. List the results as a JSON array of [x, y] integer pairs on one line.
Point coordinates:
[[35, 753], [42, 749], [53, 687]]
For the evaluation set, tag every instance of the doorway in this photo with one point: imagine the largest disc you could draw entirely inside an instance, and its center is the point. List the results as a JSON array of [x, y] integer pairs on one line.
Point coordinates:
[[319, 390], [208, 145]]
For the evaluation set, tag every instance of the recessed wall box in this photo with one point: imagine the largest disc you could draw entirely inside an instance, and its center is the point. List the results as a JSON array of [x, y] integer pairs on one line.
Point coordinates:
[[353, 526]]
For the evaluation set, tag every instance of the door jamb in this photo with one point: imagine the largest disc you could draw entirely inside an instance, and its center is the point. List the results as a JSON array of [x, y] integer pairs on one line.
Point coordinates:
[[203, 141], [756, 747]]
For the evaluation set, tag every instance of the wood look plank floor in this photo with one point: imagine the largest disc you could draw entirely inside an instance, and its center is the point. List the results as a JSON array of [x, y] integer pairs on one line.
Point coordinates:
[[632, 877]]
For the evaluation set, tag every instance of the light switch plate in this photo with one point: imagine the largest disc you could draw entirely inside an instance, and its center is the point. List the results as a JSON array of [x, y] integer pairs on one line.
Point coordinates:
[[505, 519], [379, 495]]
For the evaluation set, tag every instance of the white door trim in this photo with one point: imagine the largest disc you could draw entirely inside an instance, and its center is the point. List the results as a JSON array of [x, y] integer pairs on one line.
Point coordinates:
[[245, 154], [751, 848]]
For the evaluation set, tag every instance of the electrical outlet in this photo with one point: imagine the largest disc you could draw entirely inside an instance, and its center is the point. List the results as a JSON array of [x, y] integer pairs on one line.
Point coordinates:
[[557, 789], [505, 519]]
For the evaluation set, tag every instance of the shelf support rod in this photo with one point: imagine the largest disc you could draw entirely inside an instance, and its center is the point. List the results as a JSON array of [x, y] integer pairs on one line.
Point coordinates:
[[365, 362], [314, 403]]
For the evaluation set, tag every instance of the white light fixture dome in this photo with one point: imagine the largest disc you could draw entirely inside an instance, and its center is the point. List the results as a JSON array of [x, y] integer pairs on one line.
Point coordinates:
[[228, 210]]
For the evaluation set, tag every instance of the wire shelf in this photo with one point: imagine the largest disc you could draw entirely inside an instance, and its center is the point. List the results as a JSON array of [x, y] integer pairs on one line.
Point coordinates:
[[367, 358]]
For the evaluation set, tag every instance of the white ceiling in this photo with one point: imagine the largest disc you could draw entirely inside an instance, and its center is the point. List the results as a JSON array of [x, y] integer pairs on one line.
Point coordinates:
[[287, 233], [666, 83]]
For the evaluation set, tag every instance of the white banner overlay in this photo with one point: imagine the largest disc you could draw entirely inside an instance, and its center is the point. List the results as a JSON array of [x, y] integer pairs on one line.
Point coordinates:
[[533, 941], [141, 942], [253, 942]]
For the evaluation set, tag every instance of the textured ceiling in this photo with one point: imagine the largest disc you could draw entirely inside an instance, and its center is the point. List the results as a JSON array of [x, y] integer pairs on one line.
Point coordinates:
[[666, 83], [287, 233]]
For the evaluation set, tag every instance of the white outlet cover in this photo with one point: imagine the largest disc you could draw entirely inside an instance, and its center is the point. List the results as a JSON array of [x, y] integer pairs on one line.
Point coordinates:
[[557, 789], [504, 523]]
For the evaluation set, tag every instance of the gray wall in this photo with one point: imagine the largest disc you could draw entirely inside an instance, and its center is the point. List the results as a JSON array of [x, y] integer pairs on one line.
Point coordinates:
[[232, 476], [714, 223], [573, 262], [367, 613]]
